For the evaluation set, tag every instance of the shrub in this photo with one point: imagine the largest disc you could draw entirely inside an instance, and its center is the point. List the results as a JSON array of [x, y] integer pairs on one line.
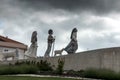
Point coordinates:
[[71, 73], [60, 66], [81, 73], [21, 69], [101, 74], [44, 66], [25, 67]]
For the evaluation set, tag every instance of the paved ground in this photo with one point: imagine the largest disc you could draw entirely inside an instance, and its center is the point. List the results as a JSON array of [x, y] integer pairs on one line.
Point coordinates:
[[34, 75]]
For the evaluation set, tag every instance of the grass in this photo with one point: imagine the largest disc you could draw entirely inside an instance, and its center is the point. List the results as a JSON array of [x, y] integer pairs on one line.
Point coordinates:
[[31, 78]]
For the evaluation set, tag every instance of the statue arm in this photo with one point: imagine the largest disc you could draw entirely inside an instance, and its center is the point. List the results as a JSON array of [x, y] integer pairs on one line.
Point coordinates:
[[51, 38]]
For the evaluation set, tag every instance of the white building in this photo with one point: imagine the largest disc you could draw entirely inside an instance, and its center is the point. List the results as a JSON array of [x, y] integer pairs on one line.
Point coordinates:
[[8, 45]]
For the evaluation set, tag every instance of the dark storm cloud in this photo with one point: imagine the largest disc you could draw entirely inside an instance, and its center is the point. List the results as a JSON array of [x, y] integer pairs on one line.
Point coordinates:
[[97, 6]]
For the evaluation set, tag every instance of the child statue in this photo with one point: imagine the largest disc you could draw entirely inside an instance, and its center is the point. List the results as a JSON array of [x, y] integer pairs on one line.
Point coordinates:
[[50, 41]]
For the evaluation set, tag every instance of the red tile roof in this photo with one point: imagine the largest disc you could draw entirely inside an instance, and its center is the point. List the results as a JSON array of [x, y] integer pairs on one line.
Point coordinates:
[[7, 42]]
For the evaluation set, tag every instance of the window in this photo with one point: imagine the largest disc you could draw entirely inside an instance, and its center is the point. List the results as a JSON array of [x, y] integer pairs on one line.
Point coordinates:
[[6, 50]]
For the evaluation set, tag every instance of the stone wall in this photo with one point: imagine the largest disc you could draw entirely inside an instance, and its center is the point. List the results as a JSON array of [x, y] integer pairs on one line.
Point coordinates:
[[101, 58]]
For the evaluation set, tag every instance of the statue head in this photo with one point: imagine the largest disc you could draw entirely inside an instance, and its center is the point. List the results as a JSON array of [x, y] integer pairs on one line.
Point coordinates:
[[74, 30], [50, 31], [34, 37], [34, 33]]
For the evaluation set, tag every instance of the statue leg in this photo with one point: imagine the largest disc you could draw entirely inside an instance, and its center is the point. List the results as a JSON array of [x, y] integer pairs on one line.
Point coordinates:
[[47, 53]]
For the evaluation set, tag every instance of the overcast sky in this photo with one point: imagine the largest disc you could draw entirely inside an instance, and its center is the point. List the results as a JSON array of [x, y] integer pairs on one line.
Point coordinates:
[[97, 21]]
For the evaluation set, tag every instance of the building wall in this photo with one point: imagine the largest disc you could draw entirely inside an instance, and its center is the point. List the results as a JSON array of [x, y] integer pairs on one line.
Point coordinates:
[[5, 49], [21, 54]]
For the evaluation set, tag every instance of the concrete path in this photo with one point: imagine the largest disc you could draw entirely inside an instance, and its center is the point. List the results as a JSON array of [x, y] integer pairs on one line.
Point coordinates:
[[34, 75]]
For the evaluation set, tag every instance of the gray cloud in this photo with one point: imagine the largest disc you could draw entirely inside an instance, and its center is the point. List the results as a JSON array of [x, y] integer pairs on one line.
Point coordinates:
[[22, 17], [96, 41], [97, 6]]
